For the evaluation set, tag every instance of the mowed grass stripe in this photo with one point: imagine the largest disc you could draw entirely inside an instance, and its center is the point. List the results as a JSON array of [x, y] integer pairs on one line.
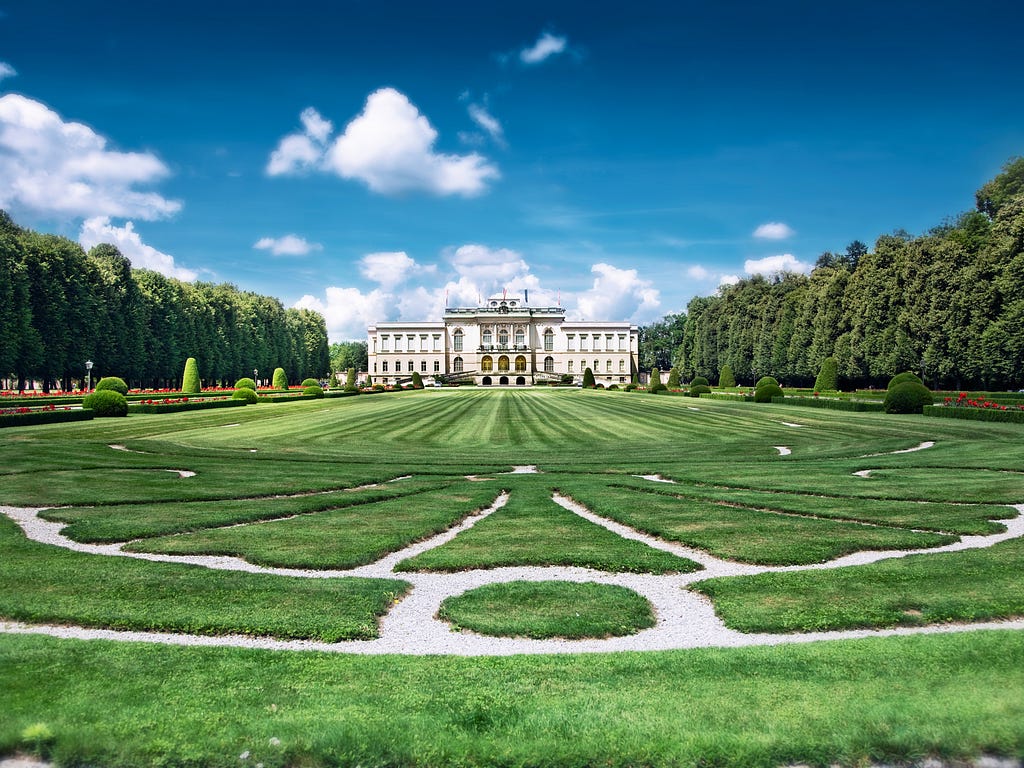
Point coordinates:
[[335, 538], [741, 534]]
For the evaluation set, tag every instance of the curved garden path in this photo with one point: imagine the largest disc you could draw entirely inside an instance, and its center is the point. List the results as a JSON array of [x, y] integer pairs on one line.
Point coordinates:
[[684, 619]]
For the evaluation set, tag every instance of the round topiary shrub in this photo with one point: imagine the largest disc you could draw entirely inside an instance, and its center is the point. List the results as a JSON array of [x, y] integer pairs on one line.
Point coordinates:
[[903, 378], [245, 383], [696, 390], [313, 390], [766, 380], [280, 379], [106, 402], [247, 394], [310, 383], [112, 384], [908, 397], [630, 387], [613, 386], [700, 381], [765, 392]]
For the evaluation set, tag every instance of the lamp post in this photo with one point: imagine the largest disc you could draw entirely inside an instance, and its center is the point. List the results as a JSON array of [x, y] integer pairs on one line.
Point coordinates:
[[88, 375], [256, 377]]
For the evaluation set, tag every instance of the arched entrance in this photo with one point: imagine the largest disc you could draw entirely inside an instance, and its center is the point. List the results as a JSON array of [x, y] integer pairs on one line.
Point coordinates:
[[486, 381], [503, 381], [503, 364], [520, 381]]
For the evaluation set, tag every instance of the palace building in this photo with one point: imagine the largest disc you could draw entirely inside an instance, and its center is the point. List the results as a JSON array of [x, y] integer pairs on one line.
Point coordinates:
[[505, 342]]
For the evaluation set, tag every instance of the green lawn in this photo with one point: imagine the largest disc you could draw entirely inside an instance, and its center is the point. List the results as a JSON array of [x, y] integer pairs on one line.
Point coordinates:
[[893, 699], [543, 609]]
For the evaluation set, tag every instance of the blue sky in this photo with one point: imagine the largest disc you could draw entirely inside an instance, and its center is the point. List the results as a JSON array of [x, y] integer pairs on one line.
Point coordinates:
[[370, 159]]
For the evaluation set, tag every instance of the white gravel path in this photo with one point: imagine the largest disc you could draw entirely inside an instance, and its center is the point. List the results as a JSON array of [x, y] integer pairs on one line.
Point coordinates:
[[684, 619]]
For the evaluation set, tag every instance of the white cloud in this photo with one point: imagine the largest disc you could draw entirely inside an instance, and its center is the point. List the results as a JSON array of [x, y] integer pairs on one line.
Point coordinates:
[[300, 152], [348, 311], [391, 269], [390, 147], [785, 262], [6, 70], [728, 280], [618, 294], [65, 169], [774, 230], [487, 122], [289, 245], [98, 229], [547, 45], [488, 268], [697, 272]]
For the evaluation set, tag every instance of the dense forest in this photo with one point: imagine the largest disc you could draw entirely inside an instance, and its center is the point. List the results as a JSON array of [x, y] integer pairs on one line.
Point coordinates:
[[61, 306], [947, 305]]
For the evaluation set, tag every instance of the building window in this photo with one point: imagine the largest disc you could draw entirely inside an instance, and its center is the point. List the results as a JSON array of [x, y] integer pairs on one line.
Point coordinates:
[[549, 340], [437, 342], [549, 364], [457, 365], [583, 365], [622, 366], [383, 343], [503, 364], [457, 340], [570, 366], [520, 337], [503, 338], [437, 366], [597, 342], [384, 366], [583, 343], [398, 366], [520, 364], [622, 342], [607, 366], [423, 343], [570, 340], [488, 338], [423, 366], [597, 366], [398, 343], [608, 339], [374, 367], [487, 364]]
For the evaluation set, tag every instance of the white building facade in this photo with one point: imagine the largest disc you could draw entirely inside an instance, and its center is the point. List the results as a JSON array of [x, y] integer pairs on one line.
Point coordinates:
[[505, 342]]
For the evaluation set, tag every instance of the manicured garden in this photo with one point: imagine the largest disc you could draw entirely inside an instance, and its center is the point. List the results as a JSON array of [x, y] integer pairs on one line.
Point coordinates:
[[337, 484]]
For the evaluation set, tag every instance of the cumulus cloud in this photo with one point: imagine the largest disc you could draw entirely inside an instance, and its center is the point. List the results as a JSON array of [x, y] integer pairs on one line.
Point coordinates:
[[619, 294], [697, 272], [302, 151], [389, 146], [6, 70], [289, 245], [391, 269], [547, 45], [98, 229], [785, 262], [65, 169], [773, 230], [488, 268], [488, 123], [348, 311]]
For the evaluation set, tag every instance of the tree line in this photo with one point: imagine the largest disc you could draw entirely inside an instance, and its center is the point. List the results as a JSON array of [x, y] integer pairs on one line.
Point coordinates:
[[61, 306], [947, 305]]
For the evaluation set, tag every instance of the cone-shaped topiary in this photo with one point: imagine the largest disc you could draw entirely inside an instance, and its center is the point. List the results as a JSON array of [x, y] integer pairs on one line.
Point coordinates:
[[673, 378], [280, 379], [113, 384], [768, 390], [655, 385], [726, 378], [766, 380], [828, 376], [908, 397], [588, 379], [246, 393], [903, 378], [350, 378], [190, 383], [106, 402], [417, 380], [245, 383]]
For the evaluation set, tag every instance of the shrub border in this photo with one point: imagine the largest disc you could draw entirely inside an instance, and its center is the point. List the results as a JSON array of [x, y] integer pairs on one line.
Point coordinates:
[[45, 417], [974, 414]]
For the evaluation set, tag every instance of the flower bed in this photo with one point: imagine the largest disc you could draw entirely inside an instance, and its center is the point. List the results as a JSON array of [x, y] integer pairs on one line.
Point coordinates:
[[975, 409]]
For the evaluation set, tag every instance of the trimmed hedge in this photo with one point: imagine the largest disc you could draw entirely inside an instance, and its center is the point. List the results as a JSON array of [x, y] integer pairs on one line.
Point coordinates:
[[310, 383], [245, 383], [974, 414], [280, 379], [190, 383], [767, 392], [700, 381], [202, 405], [111, 384], [766, 380], [736, 397], [106, 402], [835, 405], [245, 394], [696, 390], [903, 378], [44, 417], [313, 390], [726, 378], [828, 375]]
